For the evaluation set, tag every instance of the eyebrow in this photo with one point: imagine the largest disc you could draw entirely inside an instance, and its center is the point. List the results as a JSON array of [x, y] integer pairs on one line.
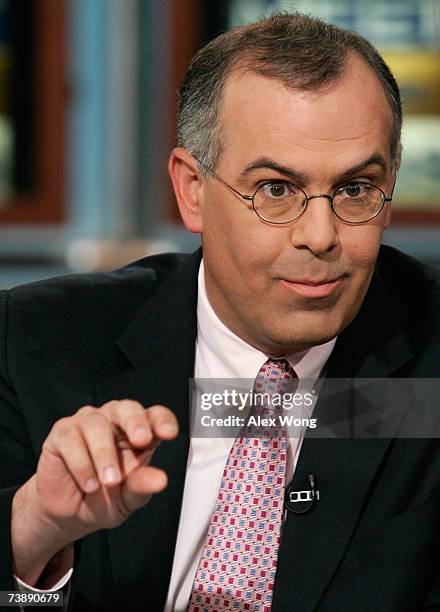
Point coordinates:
[[269, 164]]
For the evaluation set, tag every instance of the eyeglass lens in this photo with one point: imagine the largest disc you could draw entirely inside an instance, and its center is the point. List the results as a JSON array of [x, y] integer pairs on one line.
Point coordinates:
[[282, 202]]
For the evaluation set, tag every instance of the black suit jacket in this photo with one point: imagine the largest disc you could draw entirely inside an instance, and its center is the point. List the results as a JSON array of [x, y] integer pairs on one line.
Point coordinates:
[[371, 543]]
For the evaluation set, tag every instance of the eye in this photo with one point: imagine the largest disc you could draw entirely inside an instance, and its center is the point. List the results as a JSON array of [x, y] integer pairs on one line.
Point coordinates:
[[355, 190], [277, 191]]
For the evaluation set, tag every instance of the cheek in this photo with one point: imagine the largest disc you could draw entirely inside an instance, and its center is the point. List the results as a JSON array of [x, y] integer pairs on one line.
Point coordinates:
[[265, 245], [361, 246], [241, 239]]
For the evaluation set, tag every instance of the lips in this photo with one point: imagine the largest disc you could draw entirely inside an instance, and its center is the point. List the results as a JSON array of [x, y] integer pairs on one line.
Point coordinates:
[[313, 288], [313, 282]]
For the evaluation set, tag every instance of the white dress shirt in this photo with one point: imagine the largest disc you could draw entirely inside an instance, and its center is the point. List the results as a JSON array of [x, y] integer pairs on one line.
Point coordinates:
[[220, 354]]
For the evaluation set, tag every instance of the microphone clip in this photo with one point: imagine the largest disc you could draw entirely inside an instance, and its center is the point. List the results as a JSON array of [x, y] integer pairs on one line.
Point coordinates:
[[311, 496]]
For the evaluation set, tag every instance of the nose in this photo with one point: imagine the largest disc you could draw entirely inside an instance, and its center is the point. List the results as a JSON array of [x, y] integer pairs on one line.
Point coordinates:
[[317, 228]]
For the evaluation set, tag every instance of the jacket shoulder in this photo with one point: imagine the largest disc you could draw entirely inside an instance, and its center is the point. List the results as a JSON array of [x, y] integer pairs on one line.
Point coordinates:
[[94, 291], [414, 288], [78, 317], [401, 269], [415, 284]]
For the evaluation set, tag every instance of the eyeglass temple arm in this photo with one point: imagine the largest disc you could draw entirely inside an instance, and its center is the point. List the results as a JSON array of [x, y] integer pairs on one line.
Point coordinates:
[[245, 197], [389, 198]]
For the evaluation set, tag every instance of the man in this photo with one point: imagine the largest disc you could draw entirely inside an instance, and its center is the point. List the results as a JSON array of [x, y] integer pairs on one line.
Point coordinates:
[[290, 146]]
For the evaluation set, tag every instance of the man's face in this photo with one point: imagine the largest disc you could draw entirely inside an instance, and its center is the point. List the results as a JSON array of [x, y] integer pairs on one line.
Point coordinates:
[[286, 288]]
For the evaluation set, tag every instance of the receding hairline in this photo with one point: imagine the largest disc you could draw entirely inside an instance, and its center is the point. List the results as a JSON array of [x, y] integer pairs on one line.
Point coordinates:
[[242, 66], [299, 50]]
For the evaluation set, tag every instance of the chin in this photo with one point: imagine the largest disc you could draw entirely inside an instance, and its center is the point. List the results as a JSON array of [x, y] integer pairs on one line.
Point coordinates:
[[291, 340], [288, 345]]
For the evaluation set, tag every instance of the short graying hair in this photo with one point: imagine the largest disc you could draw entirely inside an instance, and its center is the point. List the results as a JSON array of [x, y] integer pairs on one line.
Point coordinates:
[[301, 51]]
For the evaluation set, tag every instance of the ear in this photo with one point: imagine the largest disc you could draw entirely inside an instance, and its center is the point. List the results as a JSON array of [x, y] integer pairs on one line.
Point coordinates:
[[397, 162], [398, 157], [188, 186], [388, 215]]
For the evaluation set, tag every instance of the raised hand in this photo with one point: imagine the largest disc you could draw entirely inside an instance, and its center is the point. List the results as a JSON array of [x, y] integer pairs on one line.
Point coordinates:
[[92, 474]]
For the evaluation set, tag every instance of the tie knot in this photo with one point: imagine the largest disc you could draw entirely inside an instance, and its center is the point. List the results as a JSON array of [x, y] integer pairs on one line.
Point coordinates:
[[276, 376]]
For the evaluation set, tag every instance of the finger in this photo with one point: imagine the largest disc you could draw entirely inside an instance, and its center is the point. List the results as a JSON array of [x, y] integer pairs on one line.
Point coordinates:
[[128, 417], [163, 422], [140, 486], [68, 443], [143, 427], [99, 437]]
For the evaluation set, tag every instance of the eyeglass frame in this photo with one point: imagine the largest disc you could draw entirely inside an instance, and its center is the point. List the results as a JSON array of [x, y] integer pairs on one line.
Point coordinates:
[[330, 198]]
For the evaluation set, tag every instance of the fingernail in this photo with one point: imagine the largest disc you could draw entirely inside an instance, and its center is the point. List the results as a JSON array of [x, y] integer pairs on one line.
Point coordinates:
[[168, 426], [90, 485], [110, 475]]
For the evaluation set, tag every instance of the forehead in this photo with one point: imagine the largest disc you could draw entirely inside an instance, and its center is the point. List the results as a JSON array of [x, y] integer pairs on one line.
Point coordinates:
[[329, 129]]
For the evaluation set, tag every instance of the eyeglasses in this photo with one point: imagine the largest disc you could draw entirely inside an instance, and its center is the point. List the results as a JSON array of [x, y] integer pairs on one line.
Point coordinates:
[[279, 202]]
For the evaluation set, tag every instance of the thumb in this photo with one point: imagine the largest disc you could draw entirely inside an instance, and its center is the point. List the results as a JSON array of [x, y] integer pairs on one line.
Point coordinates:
[[140, 485]]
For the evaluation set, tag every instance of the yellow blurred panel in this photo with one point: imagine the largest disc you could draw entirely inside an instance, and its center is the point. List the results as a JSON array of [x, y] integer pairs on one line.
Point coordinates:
[[418, 75]]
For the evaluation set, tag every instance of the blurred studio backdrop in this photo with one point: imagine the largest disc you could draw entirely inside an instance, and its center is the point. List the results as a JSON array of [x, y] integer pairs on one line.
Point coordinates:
[[87, 114]]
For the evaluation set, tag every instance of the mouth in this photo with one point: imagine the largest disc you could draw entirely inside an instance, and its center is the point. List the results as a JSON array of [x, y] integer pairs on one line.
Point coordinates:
[[313, 289]]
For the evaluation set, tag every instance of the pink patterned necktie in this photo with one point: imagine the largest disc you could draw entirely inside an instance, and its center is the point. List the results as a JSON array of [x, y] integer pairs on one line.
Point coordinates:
[[238, 563]]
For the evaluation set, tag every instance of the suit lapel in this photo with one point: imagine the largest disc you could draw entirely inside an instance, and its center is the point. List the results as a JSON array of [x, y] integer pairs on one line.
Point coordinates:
[[159, 344], [313, 544]]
